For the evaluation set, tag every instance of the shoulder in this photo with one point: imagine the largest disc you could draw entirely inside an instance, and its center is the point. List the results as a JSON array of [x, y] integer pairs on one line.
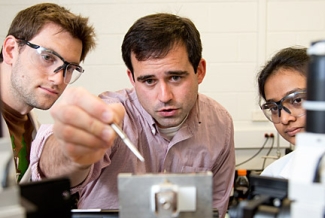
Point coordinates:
[[117, 96], [209, 102], [277, 168], [212, 108]]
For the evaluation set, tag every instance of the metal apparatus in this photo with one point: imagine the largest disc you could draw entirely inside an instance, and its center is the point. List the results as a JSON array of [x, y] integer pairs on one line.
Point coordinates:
[[306, 188], [10, 205], [165, 195]]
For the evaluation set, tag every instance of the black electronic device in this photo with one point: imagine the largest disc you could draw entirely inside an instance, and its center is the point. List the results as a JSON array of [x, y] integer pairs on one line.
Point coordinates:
[[268, 197], [275, 188], [51, 198]]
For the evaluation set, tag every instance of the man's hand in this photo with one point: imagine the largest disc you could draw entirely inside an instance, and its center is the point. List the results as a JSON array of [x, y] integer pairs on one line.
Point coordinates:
[[81, 125]]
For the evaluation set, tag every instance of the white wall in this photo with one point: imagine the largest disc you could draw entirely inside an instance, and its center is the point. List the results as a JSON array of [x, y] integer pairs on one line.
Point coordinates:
[[238, 37]]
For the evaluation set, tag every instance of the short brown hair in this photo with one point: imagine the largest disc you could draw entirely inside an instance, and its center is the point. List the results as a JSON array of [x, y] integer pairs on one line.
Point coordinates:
[[30, 21], [153, 36]]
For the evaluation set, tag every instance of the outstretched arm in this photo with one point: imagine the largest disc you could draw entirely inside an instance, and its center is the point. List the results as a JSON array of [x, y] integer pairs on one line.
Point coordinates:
[[81, 134]]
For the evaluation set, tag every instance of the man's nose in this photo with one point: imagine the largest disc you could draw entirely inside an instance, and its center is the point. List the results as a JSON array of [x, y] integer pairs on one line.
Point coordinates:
[[165, 93], [57, 77]]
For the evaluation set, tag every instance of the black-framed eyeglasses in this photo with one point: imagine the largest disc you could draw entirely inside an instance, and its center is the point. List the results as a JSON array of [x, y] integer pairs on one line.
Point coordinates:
[[291, 103], [48, 59]]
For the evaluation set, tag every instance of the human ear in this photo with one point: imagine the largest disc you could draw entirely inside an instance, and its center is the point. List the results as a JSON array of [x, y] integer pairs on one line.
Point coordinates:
[[131, 77], [201, 70], [9, 48]]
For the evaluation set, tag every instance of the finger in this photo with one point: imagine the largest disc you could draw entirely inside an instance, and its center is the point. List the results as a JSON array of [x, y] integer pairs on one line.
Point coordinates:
[[90, 103], [77, 118], [96, 137], [118, 110], [72, 111]]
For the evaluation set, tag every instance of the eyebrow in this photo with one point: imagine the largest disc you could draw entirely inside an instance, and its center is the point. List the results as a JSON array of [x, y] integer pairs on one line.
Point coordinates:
[[168, 73]]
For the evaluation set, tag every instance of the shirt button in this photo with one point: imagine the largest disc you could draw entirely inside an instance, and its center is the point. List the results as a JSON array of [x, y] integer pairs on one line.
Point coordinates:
[[153, 131]]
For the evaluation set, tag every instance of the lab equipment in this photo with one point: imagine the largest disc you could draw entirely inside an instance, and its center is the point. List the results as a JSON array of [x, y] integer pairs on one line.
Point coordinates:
[[9, 192], [306, 190], [165, 195], [241, 185], [268, 197]]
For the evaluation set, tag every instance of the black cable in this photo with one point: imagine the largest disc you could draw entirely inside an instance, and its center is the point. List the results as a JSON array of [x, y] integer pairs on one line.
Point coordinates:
[[263, 166], [254, 154]]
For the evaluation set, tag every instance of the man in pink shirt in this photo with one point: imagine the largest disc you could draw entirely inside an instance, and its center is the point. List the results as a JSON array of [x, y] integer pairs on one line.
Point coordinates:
[[175, 128]]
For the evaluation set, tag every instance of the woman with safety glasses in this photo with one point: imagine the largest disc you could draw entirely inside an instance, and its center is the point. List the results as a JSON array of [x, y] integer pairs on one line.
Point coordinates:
[[282, 89]]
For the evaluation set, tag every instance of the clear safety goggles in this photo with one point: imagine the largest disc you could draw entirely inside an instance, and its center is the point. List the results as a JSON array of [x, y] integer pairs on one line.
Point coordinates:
[[48, 60], [291, 104]]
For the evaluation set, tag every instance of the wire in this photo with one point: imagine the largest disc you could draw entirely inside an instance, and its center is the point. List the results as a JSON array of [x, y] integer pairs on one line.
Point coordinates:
[[259, 151], [263, 166]]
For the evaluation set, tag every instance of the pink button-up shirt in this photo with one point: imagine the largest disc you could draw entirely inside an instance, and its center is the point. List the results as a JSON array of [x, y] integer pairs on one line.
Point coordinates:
[[205, 142]]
